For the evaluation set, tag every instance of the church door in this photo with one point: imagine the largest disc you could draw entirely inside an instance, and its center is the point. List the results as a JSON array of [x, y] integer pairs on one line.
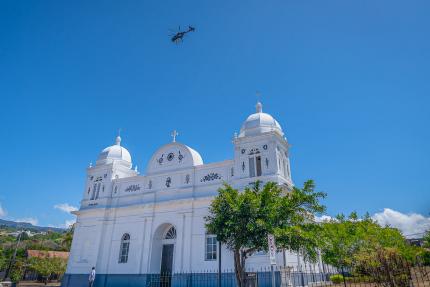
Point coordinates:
[[166, 265]]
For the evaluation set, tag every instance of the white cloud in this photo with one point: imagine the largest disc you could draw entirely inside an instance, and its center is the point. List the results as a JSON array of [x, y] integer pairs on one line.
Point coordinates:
[[69, 222], [65, 225], [65, 207], [3, 211], [323, 218], [409, 224], [31, 220]]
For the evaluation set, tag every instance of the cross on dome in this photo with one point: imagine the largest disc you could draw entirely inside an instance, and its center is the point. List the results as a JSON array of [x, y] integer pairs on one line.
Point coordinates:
[[259, 106], [118, 138], [174, 134]]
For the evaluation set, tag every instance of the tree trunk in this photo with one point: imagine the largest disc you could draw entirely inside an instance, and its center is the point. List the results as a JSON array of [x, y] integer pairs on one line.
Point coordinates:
[[239, 268], [242, 263]]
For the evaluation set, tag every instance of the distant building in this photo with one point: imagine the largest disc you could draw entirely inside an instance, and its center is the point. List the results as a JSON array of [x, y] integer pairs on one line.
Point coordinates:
[[416, 241], [47, 254], [131, 225], [28, 232]]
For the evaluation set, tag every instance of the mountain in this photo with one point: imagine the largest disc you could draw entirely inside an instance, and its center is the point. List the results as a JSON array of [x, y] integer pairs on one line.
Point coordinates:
[[28, 226]]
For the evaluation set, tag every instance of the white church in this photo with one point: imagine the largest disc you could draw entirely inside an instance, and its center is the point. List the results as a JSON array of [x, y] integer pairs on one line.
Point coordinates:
[[131, 225]]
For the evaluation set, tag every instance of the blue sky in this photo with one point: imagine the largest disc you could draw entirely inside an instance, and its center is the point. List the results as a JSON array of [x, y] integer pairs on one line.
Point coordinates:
[[347, 80]]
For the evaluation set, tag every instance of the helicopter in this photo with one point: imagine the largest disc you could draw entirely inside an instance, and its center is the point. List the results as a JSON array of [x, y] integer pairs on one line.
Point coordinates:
[[178, 36]]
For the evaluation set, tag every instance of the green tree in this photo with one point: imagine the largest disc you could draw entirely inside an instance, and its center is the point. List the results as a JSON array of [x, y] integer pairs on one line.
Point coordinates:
[[243, 219], [46, 266], [427, 239], [17, 270], [67, 237], [345, 238], [3, 260]]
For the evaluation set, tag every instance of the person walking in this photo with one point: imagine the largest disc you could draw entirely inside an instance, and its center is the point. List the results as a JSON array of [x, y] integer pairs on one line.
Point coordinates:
[[92, 277]]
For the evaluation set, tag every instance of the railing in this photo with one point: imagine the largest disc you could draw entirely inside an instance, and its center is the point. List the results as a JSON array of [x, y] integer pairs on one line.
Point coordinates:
[[410, 276]]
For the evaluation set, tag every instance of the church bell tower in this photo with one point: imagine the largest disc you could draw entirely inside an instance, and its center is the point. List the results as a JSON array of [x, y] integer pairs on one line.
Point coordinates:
[[261, 150]]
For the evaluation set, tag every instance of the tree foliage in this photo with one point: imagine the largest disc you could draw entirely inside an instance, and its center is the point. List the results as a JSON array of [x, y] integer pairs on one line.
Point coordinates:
[[46, 266], [386, 266], [346, 239], [55, 241], [243, 219], [427, 239]]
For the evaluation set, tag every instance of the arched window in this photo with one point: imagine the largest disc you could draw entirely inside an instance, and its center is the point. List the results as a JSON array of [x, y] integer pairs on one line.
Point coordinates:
[[123, 249], [93, 194], [171, 233], [98, 191]]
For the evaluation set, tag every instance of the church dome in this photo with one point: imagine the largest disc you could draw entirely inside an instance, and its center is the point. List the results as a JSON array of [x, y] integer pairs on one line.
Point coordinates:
[[260, 123], [115, 153], [173, 156]]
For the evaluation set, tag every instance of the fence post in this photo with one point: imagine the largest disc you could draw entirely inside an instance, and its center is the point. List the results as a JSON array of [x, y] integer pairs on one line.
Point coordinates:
[[273, 275], [219, 264]]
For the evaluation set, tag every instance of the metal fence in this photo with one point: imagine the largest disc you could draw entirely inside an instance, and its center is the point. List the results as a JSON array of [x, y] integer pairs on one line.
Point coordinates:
[[413, 276]]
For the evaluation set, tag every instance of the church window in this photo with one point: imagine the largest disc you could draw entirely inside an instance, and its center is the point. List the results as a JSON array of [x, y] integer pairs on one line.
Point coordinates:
[[232, 171], [168, 181], [267, 162], [124, 247], [150, 184], [243, 166], [93, 194], [258, 164], [171, 233], [255, 166], [251, 167], [98, 191], [286, 169], [210, 247]]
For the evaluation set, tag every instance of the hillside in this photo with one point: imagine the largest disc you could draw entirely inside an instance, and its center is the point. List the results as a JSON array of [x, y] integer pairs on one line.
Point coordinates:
[[27, 226]]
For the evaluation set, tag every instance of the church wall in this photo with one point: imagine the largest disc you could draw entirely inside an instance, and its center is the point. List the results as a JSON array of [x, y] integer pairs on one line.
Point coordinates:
[[85, 245], [126, 222], [176, 191]]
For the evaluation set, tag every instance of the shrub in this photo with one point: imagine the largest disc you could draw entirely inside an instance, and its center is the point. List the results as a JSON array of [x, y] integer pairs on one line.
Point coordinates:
[[385, 266], [336, 278], [425, 258]]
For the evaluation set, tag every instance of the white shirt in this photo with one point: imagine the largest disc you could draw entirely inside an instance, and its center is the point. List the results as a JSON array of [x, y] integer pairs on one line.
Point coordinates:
[[92, 275]]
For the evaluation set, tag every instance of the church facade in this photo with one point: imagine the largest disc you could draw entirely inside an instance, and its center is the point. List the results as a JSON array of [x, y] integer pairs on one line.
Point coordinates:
[[131, 225]]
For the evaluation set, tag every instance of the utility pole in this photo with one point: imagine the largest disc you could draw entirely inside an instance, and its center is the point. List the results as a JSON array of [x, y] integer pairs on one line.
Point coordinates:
[[12, 260]]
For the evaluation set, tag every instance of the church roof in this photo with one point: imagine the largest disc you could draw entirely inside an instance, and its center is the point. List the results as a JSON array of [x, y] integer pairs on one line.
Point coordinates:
[[172, 156], [259, 123], [115, 153]]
